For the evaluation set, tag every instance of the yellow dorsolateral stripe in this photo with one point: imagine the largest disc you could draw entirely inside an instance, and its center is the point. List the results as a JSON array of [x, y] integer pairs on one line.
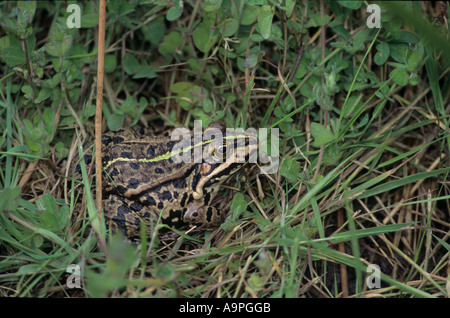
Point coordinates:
[[168, 155]]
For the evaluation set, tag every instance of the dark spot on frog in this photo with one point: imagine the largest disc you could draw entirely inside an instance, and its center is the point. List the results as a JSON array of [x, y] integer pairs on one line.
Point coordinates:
[[114, 172], [135, 206], [195, 181], [147, 215], [133, 183], [175, 195], [183, 199], [140, 132], [165, 196], [126, 154], [135, 165], [149, 200], [209, 214], [120, 217], [174, 219], [180, 183], [122, 210], [159, 171], [151, 151], [121, 189], [105, 159], [117, 139], [207, 198], [160, 205], [87, 161], [106, 140]]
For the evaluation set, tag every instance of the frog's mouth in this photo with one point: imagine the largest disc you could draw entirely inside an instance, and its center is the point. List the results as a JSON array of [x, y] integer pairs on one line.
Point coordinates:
[[215, 176], [222, 175], [216, 172]]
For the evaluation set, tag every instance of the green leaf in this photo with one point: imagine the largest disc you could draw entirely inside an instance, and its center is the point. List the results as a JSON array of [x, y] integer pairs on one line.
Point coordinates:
[[383, 53], [407, 37], [250, 61], [204, 37], [146, 71], [290, 5], [229, 27], [302, 69], [13, 56], [49, 120], [290, 169], [208, 105], [8, 198], [194, 64], [170, 43], [131, 64], [265, 18], [414, 79], [249, 14], [442, 242], [154, 31], [125, 8], [386, 187], [130, 105], [398, 52], [360, 38], [181, 87], [320, 20], [110, 63], [28, 91], [89, 20], [238, 205], [351, 4], [332, 154], [211, 5], [174, 13], [122, 256], [52, 219], [26, 10], [60, 42], [399, 76], [115, 121], [371, 231], [88, 111], [414, 59], [61, 151], [4, 43], [321, 134]]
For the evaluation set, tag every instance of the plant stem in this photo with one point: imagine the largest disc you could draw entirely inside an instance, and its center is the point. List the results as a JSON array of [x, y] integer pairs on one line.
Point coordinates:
[[27, 57]]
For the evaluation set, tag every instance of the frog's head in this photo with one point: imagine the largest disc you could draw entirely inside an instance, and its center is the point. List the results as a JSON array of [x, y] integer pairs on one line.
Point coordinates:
[[224, 153], [203, 217]]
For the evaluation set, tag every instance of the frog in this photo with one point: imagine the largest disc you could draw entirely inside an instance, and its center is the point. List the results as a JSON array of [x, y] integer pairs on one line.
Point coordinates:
[[146, 182]]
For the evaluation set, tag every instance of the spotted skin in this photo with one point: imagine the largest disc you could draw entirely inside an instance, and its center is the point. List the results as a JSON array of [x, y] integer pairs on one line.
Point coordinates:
[[142, 184]]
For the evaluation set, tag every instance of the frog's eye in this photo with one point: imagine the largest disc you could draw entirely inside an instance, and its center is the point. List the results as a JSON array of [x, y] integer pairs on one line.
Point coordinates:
[[219, 152], [216, 156]]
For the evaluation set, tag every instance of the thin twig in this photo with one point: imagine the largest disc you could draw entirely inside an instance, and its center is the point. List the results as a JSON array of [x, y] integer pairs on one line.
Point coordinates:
[[297, 61], [30, 70], [98, 114]]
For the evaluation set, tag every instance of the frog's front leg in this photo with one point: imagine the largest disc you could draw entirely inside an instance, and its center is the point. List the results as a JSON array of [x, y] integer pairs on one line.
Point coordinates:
[[127, 216], [205, 217]]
